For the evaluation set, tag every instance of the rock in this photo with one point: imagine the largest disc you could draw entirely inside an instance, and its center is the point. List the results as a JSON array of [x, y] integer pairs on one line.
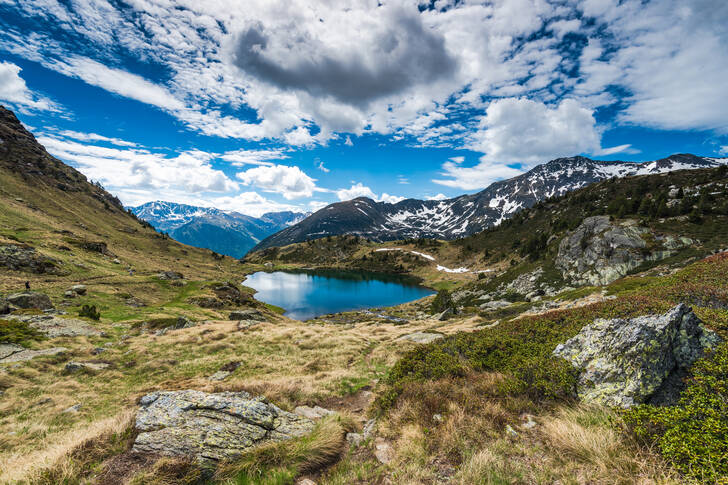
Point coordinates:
[[312, 412], [79, 289], [98, 350], [220, 375], [383, 451], [5, 307], [30, 299], [421, 337], [268, 264], [247, 324], [247, 315], [305, 481], [495, 304], [25, 258], [69, 294], [55, 326], [93, 366], [73, 409], [625, 362], [445, 314], [599, 252], [530, 423], [20, 354], [673, 193], [211, 427], [437, 418], [170, 275], [116, 261], [354, 439], [510, 431], [184, 322]]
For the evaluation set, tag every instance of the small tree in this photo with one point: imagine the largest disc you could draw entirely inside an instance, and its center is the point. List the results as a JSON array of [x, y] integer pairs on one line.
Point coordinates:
[[443, 300]]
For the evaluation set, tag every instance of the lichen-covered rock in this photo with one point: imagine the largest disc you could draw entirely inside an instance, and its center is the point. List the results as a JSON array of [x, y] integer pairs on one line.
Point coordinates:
[[10, 353], [599, 252], [422, 337], [30, 299], [623, 362], [211, 427]]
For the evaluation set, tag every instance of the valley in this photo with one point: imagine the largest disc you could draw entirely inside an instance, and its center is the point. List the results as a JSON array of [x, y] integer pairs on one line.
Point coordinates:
[[136, 359]]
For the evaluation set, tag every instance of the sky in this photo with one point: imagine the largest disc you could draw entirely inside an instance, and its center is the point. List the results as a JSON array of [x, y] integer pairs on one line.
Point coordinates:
[[268, 105]]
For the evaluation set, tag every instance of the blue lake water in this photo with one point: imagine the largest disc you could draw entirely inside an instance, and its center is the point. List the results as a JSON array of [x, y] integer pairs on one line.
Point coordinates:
[[307, 294]]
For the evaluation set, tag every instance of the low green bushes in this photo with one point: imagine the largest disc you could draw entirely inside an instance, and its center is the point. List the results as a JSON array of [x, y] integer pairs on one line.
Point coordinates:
[[693, 435], [16, 332]]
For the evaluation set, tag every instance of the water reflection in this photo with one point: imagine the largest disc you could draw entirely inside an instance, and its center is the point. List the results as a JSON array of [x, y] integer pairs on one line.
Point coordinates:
[[306, 294]]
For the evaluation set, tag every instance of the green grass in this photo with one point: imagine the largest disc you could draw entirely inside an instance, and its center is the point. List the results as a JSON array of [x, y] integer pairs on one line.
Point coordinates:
[[19, 333]]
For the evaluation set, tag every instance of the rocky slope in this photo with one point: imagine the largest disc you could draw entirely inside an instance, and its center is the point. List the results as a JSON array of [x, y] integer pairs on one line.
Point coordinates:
[[225, 232], [469, 214]]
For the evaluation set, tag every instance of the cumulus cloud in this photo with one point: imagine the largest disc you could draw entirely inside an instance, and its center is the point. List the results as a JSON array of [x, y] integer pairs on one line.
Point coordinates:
[[14, 91], [291, 182], [360, 190], [356, 190], [189, 171], [392, 52], [439, 196], [320, 165]]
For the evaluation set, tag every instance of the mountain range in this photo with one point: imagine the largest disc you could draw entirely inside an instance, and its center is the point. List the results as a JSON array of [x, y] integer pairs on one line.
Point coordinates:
[[469, 214], [225, 232]]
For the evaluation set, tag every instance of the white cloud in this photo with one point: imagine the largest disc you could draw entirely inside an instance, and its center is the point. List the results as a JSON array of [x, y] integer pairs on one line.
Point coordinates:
[[519, 130], [439, 196], [238, 158], [356, 190], [136, 168], [360, 190], [315, 205], [250, 203], [13, 90], [348, 142], [392, 199], [96, 137], [291, 182], [320, 165]]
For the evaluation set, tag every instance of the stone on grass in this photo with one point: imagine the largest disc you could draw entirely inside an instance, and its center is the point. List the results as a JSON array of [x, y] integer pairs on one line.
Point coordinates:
[[247, 315], [220, 375], [316, 412], [421, 337], [623, 362], [211, 427], [170, 275], [30, 299], [55, 326], [383, 451], [20, 354], [79, 289], [93, 366]]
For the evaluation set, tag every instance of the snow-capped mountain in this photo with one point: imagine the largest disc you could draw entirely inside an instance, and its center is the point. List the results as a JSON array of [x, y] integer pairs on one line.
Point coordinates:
[[225, 232], [468, 214]]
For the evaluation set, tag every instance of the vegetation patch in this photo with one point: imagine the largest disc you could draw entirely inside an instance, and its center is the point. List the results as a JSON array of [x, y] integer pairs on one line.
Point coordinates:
[[19, 333]]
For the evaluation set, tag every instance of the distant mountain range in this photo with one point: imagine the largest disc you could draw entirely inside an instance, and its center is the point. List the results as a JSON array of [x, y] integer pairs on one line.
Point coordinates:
[[469, 214], [224, 232]]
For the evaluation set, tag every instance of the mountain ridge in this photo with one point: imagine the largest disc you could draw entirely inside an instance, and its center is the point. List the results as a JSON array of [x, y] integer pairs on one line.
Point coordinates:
[[226, 232], [471, 213]]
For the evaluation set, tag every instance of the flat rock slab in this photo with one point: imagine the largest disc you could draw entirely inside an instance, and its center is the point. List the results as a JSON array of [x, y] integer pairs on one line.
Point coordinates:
[[54, 326], [316, 412], [421, 337], [211, 427], [30, 299], [10, 353]]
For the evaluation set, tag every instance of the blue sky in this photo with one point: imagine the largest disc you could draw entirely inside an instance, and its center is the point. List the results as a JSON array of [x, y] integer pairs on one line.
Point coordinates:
[[269, 105]]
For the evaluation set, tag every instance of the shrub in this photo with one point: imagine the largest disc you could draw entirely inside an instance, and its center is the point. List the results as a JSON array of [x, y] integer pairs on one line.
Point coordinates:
[[693, 435], [443, 301], [19, 333], [89, 311]]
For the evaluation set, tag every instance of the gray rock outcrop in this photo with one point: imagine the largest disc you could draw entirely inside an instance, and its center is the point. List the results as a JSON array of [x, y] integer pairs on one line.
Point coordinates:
[[30, 299], [623, 362], [25, 258], [422, 337], [10, 353], [599, 252], [211, 427], [55, 326]]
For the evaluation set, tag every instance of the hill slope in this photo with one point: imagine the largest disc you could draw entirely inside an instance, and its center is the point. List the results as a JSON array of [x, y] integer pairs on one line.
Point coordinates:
[[469, 214], [225, 232]]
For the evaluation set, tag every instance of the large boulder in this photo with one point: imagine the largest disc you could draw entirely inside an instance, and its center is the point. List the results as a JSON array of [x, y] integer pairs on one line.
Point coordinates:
[[211, 427], [623, 362], [30, 299], [599, 251]]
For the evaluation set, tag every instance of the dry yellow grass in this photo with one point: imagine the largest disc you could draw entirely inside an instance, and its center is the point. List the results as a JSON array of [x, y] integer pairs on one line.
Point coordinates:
[[55, 462]]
